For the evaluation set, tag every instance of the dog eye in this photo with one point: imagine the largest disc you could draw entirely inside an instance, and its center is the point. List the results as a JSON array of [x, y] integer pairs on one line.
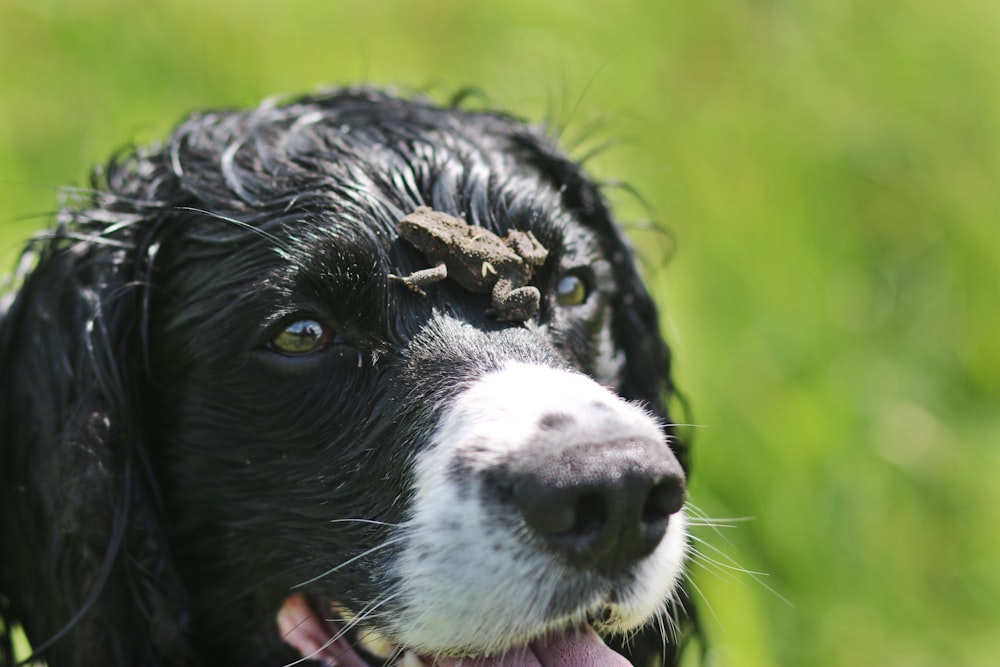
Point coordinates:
[[302, 337], [572, 290]]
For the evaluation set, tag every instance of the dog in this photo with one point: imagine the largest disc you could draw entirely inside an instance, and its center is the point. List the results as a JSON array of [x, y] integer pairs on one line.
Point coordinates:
[[233, 431]]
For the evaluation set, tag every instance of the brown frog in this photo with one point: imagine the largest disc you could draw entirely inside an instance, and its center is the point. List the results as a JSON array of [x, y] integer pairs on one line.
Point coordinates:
[[477, 259]]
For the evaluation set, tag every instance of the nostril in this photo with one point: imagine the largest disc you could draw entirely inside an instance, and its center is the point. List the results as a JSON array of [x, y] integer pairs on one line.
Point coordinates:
[[549, 518], [562, 514], [665, 498], [591, 515]]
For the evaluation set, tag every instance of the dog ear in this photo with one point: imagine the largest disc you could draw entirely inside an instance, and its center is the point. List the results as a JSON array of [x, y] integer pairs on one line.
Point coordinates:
[[83, 569]]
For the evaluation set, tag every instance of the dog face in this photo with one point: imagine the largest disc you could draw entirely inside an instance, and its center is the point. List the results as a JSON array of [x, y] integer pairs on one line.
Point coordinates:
[[242, 441]]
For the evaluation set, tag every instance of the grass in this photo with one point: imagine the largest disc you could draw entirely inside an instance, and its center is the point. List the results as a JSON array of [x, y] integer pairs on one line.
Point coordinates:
[[828, 174]]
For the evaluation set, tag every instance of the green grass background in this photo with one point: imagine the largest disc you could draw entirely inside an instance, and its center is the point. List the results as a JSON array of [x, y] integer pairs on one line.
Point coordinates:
[[827, 171]]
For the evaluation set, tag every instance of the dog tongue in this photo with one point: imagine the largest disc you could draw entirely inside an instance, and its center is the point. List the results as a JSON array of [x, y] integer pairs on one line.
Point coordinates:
[[581, 648]]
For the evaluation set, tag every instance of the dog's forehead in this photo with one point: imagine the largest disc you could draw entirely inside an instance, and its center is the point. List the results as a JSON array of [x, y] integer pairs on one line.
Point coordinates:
[[370, 155]]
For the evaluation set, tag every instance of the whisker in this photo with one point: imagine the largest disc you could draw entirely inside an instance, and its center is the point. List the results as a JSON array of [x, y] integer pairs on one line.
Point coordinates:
[[667, 630], [683, 425], [701, 514], [704, 520], [260, 583], [396, 654], [365, 614], [732, 565], [367, 521], [263, 581], [704, 598], [711, 523], [721, 563], [368, 552]]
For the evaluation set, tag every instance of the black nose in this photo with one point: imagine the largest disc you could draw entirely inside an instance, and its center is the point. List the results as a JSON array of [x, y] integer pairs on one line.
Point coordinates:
[[601, 505]]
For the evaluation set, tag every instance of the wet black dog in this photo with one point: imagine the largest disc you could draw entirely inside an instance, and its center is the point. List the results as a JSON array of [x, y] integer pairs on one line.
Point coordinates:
[[230, 436]]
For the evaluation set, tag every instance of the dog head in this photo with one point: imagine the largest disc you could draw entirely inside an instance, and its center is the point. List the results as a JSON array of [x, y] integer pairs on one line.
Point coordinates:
[[220, 410]]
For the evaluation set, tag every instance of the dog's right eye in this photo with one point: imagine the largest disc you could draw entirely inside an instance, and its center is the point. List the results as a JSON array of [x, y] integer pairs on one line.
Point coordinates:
[[573, 289], [301, 337]]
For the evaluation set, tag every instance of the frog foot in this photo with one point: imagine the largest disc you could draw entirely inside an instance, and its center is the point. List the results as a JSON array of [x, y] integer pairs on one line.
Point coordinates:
[[516, 305], [416, 280]]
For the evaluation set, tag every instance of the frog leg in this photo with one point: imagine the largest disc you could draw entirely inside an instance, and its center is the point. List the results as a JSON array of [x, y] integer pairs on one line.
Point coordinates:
[[514, 304], [527, 247], [418, 279]]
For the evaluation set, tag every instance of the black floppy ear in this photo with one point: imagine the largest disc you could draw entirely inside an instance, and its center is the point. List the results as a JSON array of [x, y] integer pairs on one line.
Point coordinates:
[[83, 569]]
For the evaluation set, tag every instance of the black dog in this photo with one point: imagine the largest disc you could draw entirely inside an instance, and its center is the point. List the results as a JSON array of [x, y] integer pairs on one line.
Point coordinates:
[[229, 435]]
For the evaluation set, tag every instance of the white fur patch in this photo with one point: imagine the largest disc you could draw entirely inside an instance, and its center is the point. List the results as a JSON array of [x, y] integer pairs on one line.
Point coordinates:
[[466, 579]]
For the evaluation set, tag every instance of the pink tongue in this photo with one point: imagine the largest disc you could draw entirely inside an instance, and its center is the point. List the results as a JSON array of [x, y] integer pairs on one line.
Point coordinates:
[[582, 648]]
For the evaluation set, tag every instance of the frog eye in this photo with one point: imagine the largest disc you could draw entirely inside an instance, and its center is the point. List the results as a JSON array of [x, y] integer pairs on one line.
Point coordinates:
[[302, 337], [572, 289]]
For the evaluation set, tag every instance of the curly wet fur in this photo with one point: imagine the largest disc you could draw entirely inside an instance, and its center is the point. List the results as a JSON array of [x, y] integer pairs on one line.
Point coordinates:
[[140, 457]]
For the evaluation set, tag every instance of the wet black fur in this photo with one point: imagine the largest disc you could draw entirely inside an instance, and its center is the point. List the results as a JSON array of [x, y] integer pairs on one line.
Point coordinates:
[[164, 475]]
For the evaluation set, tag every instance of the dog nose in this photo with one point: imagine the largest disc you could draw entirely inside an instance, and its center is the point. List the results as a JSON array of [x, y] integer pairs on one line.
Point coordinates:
[[601, 506]]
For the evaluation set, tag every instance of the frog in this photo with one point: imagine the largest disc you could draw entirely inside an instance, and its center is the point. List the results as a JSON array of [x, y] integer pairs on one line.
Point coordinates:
[[477, 259]]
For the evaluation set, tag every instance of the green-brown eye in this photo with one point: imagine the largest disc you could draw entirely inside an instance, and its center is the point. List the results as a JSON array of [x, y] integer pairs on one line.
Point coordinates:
[[572, 290], [302, 337]]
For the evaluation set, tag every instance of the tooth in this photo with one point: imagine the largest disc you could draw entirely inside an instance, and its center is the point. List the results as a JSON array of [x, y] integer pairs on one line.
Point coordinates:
[[376, 644], [342, 611], [410, 659]]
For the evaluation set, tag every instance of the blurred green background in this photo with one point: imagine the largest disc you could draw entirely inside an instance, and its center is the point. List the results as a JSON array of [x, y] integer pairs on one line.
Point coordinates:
[[827, 172]]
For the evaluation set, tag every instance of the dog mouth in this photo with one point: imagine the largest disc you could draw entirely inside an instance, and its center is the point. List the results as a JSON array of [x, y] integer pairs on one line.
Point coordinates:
[[331, 635]]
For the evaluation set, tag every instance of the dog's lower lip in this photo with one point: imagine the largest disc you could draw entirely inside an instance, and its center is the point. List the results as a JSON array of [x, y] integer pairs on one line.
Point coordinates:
[[304, 627]]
